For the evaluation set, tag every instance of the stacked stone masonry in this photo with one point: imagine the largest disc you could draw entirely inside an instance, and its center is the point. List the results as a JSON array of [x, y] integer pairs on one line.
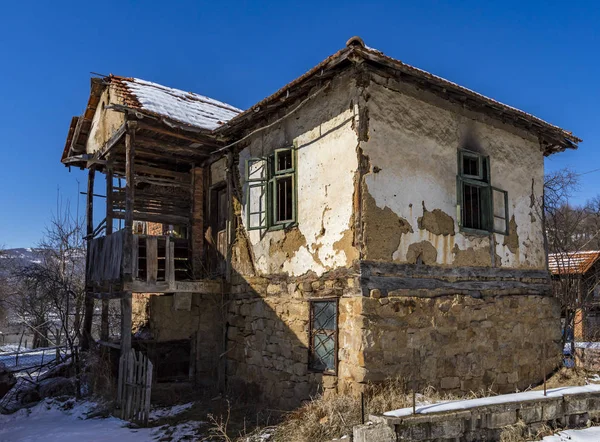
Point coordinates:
[[484, 423]]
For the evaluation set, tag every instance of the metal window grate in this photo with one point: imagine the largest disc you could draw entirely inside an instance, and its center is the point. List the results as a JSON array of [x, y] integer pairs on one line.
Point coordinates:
[[324, 335]]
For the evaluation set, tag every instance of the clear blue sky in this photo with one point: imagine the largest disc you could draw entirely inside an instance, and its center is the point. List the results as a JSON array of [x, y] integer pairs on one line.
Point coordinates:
[[539, 56]]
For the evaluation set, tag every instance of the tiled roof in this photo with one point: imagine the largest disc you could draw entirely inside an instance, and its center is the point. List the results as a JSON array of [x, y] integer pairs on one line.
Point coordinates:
[[572, 262]]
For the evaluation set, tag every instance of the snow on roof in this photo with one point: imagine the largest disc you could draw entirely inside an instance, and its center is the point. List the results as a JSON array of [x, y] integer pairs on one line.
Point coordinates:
[[493, 400], [184, 107], [572, 262]]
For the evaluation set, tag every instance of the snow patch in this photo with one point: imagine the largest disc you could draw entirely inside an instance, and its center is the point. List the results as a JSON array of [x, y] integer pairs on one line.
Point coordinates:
[[591, 434], [493, 400], [185, 107]]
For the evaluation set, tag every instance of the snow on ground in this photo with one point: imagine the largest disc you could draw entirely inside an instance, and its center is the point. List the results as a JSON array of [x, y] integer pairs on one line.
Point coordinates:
[[591, 434], [11, 348], [493, 400], [160, 413], [25, 359], [52, 421]]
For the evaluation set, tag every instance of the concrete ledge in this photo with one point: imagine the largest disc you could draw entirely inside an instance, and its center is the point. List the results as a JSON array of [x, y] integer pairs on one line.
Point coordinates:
[[485, 418]]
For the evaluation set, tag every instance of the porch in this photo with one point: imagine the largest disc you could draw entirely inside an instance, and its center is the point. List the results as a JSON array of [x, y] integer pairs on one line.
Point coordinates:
[[159, 264]]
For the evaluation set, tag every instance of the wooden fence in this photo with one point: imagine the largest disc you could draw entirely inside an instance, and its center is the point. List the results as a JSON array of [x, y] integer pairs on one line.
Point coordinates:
[[135, 385]]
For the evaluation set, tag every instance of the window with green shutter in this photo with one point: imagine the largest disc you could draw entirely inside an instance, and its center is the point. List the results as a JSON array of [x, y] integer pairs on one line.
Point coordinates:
[[271, 196], [481, 207]]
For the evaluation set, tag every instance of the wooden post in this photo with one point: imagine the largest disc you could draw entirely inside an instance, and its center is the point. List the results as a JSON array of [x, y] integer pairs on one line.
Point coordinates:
[[230, 217], [128, 242], [89, 300], [129, 198], [109, 230]]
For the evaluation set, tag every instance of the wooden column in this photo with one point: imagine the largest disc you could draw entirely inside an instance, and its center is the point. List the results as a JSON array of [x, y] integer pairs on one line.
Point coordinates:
[[230, 216], [127, 247], [88, 317], [109, 230], [197, 239]]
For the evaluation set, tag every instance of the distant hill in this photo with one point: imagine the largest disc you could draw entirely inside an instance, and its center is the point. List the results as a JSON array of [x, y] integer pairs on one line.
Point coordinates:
[[18, 258]]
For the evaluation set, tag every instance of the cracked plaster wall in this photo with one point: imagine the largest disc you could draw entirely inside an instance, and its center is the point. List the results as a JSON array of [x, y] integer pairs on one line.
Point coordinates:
[[105, 122], [412, 149], [325, 135]]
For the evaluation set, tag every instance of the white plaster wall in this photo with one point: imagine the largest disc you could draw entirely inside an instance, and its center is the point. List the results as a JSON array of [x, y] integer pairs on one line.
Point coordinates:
[[105, 122], [326, 163], [415, 143]]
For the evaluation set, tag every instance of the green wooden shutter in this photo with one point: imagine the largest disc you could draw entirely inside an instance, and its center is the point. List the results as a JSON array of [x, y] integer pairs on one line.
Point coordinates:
[[499, 210], [256, 197]]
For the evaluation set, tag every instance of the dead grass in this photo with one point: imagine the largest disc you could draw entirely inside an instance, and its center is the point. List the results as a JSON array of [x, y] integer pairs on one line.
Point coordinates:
[[520, 432], [98, 372], [326, 418], [566, 377]]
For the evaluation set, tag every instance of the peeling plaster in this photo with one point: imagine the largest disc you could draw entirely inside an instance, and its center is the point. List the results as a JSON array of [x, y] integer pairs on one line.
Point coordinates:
[[324, 134], [480, 257], [512, 239], [383, 229], [422, 253], [436, 222], [415, 142]]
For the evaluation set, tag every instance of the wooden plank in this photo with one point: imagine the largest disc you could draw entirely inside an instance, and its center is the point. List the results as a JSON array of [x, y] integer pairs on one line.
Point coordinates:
[[184, 177], [170, 262], [135, 250], [202, 287], [204, 141], [126, 323], [112, 141], [427, 287], [152, 217], [107, 296], [151, 259], [89, 301], [368, 268], [148, 390], [130, 195]]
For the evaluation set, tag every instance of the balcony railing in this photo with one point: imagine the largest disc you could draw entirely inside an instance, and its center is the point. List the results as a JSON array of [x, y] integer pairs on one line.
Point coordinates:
[[156, 261]]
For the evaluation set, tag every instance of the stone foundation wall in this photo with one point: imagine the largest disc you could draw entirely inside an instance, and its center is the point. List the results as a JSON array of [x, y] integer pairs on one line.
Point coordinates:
[[268, 337], [459, 343], [198, 318]]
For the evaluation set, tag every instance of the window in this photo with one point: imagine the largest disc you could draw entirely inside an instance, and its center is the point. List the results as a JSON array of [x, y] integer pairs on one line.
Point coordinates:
[[481, 206], [323, 336], [271, 197]]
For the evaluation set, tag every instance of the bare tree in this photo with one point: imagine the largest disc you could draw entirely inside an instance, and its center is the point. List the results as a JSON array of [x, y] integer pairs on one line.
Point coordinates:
[[569, 230], [48, 295]]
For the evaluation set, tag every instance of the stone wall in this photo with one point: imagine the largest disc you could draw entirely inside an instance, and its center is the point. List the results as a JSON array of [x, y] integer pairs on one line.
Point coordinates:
[[195, 317], [459, 343], [268, 337]]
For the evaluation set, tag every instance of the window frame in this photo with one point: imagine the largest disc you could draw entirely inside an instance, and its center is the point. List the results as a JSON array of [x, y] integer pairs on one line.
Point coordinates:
[[488, 215], [335, 336], [257, 183], [269, 182]]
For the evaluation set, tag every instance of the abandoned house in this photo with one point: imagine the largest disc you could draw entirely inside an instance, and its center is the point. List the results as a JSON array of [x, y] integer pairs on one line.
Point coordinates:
[[367, 221], [576, 279]]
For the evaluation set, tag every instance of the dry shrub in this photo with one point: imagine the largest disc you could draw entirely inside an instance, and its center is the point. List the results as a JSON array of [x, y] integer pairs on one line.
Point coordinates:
[[566, 377], [519, 432], [99, 375], [333, 416]]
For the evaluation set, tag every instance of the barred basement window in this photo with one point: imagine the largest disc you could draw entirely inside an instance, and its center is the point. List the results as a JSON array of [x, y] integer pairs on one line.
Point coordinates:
[[271, 197], [481, 206], [323, 336]]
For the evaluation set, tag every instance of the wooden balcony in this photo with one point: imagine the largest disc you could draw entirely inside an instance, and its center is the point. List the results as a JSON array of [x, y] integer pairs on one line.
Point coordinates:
[[159, 264]]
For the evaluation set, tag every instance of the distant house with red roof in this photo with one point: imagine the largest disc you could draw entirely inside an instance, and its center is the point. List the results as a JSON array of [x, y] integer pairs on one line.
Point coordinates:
[[581, 271]]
